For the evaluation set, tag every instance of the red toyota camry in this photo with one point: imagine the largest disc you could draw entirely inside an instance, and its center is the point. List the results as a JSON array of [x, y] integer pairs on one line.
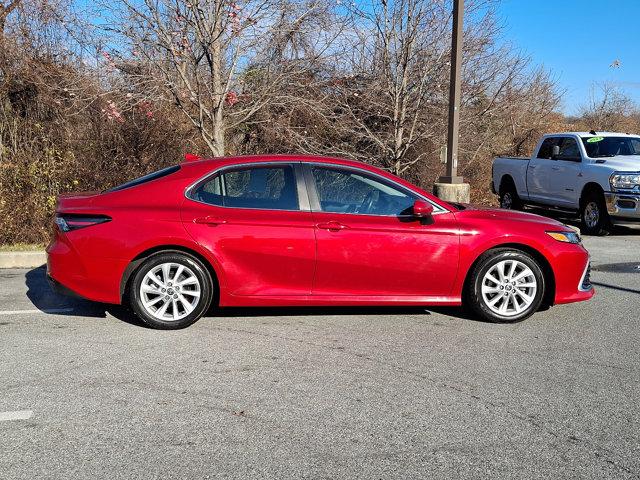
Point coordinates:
[[303, 230]]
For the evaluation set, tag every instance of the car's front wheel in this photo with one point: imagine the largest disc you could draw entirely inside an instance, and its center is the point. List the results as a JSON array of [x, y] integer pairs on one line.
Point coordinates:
[[171, 290], [505, 285], [594, 216]]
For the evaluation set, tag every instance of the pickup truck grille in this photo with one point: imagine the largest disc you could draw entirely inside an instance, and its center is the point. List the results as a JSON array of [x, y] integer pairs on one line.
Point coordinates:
[[586, 281]]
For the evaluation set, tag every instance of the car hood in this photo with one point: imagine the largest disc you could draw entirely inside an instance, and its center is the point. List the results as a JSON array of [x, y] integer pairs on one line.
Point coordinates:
[[497, 214], [626, 163]]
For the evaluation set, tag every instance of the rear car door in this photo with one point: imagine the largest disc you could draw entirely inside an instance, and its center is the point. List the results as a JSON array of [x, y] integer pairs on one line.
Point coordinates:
[[369, 243], [256, 222], [565, 173], [540, 171]]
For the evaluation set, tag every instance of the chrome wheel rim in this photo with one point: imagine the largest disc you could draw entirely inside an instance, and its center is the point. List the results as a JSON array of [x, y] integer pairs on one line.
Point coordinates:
[[170, 291], [591, 214], [509, 288], [507, 201]]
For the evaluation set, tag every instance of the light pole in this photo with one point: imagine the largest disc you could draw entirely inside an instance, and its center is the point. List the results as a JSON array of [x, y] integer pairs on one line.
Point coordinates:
[[451, 187]]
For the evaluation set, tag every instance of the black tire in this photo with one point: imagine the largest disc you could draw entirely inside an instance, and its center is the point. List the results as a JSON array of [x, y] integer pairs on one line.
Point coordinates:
[[508, 196], [475, 301], [194, 269], [594, 216]]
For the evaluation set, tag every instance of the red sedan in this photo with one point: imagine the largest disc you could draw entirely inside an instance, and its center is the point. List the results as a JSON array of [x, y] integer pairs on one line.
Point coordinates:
[[303, 230]]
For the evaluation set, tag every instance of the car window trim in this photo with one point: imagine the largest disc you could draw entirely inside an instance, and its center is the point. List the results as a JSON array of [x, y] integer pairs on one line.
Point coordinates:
[[303, 199], [315, 200]]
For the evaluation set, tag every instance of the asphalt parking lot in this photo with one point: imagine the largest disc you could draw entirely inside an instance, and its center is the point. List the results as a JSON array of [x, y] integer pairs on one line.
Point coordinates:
[[323, 393]]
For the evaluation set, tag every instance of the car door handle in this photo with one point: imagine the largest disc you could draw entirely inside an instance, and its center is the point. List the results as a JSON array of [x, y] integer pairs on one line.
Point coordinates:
[[555, 168], [331, 226], [209, 220], [532, 167]]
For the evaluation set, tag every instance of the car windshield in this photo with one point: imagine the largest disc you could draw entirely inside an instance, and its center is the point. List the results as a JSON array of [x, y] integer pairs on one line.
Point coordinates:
[[598, 147]]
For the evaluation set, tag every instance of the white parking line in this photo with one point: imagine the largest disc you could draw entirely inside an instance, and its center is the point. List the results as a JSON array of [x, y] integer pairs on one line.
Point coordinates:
[[17, 415], [50, 310]]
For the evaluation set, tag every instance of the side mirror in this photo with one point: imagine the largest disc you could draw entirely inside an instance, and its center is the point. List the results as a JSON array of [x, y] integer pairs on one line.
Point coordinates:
[[422, 209], [555, 151]]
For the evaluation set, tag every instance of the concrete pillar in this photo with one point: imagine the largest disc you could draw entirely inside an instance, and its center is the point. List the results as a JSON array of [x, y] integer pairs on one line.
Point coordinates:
[[453, 192]]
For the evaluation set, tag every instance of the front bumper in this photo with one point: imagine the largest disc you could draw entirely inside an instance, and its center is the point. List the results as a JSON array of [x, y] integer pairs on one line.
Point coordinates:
[[624, 207]]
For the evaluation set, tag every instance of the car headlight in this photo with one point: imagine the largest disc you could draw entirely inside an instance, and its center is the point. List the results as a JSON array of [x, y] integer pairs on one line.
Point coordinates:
[[625, 180], [566, 237]]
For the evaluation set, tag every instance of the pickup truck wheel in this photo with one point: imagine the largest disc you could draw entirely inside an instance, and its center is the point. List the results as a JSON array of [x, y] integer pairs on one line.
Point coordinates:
[[505, 286], [509, 199], [594, 215]]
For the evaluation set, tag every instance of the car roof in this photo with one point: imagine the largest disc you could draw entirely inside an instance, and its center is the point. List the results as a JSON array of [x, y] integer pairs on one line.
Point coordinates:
[[589, 134], [206, 164]]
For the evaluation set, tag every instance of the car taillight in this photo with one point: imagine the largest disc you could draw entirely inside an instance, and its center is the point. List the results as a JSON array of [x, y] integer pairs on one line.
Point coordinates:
[[73, 221]]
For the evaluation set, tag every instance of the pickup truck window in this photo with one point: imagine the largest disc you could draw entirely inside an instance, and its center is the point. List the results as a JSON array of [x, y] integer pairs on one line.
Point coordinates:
[[546, 149], [598, 147], [569, 150]]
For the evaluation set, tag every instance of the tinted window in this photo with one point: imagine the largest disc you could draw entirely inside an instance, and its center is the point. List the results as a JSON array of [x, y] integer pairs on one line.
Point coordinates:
[[569, 150], [611, 146], [546, 149], [269, 188], [147, 178], [345, 191]]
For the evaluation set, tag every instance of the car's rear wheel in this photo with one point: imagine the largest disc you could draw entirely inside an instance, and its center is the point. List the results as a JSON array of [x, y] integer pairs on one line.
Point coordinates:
[[509, 198], [505, 286], [171, 290]]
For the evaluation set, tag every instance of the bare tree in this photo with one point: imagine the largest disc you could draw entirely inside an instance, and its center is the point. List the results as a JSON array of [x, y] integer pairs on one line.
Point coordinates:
[[206, 55], [609, 108]]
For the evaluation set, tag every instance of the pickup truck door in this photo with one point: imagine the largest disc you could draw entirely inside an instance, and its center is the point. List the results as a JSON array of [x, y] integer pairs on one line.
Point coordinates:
[[566, 171], [540, 171]]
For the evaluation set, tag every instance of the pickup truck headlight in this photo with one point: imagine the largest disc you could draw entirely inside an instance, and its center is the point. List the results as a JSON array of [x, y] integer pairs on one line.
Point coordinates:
[[625, 180], [566, 237]]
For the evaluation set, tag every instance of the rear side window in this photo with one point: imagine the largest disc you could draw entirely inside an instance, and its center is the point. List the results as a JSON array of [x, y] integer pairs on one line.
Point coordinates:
[[263, 187], [147, 178]]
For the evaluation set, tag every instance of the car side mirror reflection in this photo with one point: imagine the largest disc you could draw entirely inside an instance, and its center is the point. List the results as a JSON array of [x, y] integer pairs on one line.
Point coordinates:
[[422, 209]]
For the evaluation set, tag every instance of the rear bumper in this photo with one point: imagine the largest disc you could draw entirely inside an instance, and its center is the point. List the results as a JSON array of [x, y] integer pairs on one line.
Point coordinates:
[[60, 289], [85, 276], [623, 207]]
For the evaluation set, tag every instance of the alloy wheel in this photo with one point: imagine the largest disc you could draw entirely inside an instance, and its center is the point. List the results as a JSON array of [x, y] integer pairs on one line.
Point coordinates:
[[509, 288], [591, 214], [507, 201], [170, 291]]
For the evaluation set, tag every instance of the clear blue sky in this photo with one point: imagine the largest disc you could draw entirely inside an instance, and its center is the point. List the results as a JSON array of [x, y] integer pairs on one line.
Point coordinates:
[[577, 40]]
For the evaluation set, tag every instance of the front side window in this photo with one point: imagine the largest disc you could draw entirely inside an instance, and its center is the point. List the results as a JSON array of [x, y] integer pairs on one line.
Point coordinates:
[[546, 149], [262, 187], [569, 150], [346, 191]]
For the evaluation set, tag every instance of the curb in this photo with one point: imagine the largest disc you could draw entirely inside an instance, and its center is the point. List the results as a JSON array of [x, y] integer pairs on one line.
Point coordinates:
[[31, 259]]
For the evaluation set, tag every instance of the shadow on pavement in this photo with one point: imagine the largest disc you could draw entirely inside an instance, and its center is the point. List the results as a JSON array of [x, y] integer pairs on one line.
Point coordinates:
[[231, 312], [45, 299], [615, 287]]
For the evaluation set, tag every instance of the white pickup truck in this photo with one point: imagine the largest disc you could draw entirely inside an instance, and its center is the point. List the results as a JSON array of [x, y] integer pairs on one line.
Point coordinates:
[[595, 174]]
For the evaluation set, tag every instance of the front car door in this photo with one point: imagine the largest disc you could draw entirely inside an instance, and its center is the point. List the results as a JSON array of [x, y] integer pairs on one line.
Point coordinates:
[[256, 222], [565, 174], [540, 171], [369, 244]]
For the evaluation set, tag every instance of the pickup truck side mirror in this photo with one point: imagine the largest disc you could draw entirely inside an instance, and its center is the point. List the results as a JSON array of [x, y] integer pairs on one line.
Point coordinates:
[[422, 209], [555, 151]]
